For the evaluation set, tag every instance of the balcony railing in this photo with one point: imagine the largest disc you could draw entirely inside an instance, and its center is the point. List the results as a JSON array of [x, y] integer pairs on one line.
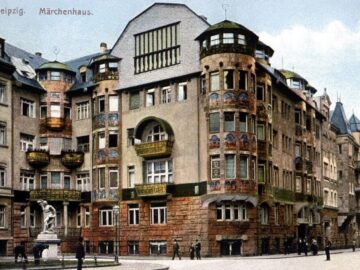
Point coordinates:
[[38, 158], [151, 190], [55, 123], [283, 194], [55, 195], [154, 149], [72, 159]]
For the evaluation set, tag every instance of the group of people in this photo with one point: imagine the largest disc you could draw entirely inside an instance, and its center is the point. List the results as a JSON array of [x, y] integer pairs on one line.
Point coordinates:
[[194, 250], [303, 246]]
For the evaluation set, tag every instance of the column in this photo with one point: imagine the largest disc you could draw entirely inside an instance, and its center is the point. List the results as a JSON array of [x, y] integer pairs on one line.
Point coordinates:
[[65, 204]]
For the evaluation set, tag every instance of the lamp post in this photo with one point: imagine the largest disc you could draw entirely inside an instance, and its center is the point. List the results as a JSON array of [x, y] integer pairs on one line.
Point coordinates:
[[116, 210]]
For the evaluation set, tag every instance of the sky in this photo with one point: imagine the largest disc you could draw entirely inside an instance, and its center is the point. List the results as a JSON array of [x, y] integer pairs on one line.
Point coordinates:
[[318, 39]]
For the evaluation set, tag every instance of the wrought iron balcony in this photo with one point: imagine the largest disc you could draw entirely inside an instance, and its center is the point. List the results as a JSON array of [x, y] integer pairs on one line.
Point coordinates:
[[154, 149], [151, 190], [38, 157], [72, 159], [55, 195], [55, 123]]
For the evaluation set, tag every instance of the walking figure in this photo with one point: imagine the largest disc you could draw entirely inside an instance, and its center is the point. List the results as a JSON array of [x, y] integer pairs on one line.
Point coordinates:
[[20, 252], [80, 253], [327, 248], [192, 251], [176, 250], [198, 249], [353, 245]]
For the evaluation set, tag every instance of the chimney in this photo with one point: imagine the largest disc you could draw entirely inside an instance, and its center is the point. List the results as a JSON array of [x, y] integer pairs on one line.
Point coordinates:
[[103, 47], [38, 54]]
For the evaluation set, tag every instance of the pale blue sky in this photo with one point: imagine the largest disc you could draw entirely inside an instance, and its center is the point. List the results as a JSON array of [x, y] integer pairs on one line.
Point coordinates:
[[320, 39]]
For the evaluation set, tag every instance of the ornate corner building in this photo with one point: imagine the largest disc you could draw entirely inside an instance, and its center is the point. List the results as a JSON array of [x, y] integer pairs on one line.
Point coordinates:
[[189, 130]]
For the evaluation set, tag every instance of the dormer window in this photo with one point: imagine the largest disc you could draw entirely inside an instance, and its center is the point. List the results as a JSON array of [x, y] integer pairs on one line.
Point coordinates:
[[241, 39], [215, 40], [42, 75], [228, 38], [113, 66], [55, 75]]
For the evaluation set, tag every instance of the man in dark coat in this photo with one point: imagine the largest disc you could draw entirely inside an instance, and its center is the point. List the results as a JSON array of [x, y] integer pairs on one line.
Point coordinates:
[[38, 248], [327, 248], [20, 251], [198, 249], [80, 253], [176, 249]]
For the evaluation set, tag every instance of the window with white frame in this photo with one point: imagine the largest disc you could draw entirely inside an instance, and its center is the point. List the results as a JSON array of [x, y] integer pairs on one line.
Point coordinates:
[[106, 217], [3, 98], [244, 167], [131, 176], [150, 97], [228, 38], [102, 68], [101, 178], [83, 143], [27, 181], [23, 217], [231, 211], [214, 81], [2, 133], [67, 181], [166, 94], [101, 138], [133, 247], [83, 182], [113, 177], [158, 212], [2, 216], [82, 110], [215, 167], [158, 248], [133, 214], [43, 181], [264, 214], [55, 75], [55, 180], [2, 176], [156, 133], [215, 40], [113, 103], [260, 132], [78, 217], [228, 79], [159, 171], [241, 39], [229, 121], [87, 217], [182, 91], [230, 166], [26, 142], [55, 110], [27, 108]]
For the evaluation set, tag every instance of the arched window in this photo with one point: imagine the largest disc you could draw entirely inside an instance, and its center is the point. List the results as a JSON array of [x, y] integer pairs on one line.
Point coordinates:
[[156, 133]]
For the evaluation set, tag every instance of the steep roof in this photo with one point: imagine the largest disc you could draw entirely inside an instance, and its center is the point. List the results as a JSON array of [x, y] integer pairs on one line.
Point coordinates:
[[56, 65], [25, 64], [354, 123], [338, 119]]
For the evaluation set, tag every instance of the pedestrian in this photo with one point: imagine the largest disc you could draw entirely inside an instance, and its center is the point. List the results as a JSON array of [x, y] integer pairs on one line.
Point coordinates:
[[286, 246], [314, 247], [327, 248], [198, 250], [19, 251], [299, 246], [192, 251], [305, 246], [80, 253], [38, 248], [353, 245], [176, 249]]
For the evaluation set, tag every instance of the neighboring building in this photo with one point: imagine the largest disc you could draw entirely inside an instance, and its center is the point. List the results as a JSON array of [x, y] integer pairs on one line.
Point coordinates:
[[191, 133]]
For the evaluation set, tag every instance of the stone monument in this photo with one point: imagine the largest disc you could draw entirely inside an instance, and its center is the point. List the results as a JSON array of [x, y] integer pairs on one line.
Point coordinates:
[[48, 235]]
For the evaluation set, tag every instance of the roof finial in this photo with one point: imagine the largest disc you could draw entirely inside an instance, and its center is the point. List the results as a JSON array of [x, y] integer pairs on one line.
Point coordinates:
[[56, 51], [224, 7]]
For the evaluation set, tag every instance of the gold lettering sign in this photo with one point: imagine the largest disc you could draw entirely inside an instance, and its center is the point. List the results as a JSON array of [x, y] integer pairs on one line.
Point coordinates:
[[151, 189]]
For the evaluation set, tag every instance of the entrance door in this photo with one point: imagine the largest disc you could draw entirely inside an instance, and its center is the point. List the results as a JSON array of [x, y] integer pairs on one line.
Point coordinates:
[[230, 247], [265, 246]]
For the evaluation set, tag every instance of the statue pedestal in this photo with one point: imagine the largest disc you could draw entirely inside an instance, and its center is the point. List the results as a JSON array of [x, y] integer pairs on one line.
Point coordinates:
[[52, 240]]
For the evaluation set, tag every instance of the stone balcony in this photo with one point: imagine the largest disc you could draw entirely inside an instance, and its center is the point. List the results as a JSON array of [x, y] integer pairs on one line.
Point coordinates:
[[72, 159], [38, 158], [55, 123], [154, 149], [55, 195], [152, 190]]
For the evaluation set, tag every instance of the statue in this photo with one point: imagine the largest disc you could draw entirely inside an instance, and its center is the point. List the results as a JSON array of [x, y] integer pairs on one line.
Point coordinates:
[[49, 216]]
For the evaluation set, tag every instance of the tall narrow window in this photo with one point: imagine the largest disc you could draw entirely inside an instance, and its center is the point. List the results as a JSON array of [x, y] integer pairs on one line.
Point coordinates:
[[113, 138], [131, 176], [243, 122], [182, 91], [113, 177], [43, 181], [243, 80], [228, 79], [166, 94], [133, 214], [87, 217], [260, 132], [215, 167], [3, 98], [55, 110], [229, 121], [67, 181], [2, 176], [82, 110], [2, 216], [261, 173], [55, 180], [101, 107], [150, 97], [244, 167], [214, 122], [101, 177], [158, 212], [230, 166], [55, 75], [113, 103], [27, 108], [2, 133], [214, 81], [134, 101], [102, 140]]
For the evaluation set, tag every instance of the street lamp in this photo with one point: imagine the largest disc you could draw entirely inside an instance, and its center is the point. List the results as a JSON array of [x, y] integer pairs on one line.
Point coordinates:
[[116, 210]]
